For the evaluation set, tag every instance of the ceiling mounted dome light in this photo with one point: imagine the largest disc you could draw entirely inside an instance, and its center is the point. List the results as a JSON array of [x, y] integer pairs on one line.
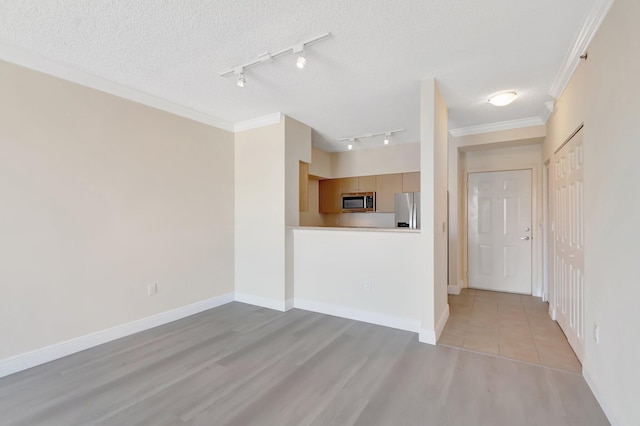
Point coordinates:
[[504, 98]]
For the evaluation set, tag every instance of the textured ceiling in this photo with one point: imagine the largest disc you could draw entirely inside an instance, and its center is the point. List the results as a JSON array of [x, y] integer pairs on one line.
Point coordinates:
[[363, 79]]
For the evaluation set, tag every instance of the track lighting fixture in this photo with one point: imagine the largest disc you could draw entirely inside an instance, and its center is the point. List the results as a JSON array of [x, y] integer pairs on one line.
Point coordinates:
[[387, 137], [298, 49]]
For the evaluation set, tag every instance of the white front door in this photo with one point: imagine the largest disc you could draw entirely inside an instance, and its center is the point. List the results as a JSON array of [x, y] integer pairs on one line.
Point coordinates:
[[568, 237], [499, 231]]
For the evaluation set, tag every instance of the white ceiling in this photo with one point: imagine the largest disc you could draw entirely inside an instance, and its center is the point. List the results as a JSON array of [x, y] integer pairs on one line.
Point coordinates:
[[363, 79]]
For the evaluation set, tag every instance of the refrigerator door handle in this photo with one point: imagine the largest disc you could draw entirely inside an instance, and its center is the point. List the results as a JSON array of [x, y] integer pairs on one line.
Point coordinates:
[[412, 218], [415, 219]]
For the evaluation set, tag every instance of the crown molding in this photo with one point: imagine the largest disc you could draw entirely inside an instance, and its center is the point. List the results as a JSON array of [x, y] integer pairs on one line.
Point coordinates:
[[254, 123], [65, 72], [550, 107], [496, 127], [592, 22]]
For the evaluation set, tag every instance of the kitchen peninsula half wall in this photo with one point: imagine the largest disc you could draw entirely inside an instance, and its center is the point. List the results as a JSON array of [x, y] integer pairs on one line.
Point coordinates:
[[383, 171], [372, 275]]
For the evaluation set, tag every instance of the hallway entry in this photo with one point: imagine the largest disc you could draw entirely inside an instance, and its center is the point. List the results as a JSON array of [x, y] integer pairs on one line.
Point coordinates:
[[499, 231], [508, 325]]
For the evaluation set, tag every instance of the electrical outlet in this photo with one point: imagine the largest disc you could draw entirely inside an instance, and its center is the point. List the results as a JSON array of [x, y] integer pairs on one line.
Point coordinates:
[[152, 289], [368, 286], [596, 333]]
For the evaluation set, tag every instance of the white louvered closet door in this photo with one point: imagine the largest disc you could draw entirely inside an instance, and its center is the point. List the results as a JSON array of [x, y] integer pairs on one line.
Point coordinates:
[[568, 214]]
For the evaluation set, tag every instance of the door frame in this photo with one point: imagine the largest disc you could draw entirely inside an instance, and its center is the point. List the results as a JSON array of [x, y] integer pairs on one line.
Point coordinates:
[[547, 252], [536, 233]]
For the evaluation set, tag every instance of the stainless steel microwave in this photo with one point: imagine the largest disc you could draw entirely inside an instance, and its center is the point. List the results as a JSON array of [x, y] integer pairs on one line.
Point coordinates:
[[355, 202]]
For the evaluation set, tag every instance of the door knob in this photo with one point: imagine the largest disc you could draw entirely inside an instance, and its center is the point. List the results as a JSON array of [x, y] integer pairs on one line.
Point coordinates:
[[527, 229], [525, 238]]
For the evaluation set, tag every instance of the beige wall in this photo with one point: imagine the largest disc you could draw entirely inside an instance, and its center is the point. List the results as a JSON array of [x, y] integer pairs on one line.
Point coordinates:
[[605, 94], [100, 197], [441, 139], [433, 184], [376, 161], [568, 115], [320, 163], [267, 200], [260, 215], [297, 140]]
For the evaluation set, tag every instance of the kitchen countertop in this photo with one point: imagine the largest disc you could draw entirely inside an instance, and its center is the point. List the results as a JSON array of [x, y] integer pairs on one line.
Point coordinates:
[[355, 228]]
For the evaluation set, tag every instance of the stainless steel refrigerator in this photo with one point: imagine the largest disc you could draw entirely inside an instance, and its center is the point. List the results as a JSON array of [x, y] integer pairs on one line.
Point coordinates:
[[408, 210]]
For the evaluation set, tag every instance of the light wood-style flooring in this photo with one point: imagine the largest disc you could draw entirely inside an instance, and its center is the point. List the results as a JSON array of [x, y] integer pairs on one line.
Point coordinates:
[[510, 325], [243, 365]]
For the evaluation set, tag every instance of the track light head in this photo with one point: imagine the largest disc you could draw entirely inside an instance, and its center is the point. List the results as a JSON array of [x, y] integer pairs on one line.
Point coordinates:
[[386, 138], [241, 81], [299, 50], [351, 141], [301, 61]]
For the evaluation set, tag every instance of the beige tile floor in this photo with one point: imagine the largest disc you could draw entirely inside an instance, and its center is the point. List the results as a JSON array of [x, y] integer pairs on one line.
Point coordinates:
[[510, 325]]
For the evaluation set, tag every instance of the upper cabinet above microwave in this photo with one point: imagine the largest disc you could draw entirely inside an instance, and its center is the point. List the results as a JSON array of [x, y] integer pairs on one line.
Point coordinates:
[[359, 184]]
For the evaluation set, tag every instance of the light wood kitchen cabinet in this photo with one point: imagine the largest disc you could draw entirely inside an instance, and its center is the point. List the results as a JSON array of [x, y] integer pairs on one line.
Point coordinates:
[[304, 187], [386, 188], [349, 184], [367, 184], [411, 182], [329, 195], [359, 184]]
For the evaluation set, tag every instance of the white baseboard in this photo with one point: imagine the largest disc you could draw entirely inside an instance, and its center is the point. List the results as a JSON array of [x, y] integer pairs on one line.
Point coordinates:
[[596, 392], [453, 289], [265, 302], [431, 336], [442, 321], [427, 336], [49, 353], [342, 311], [288, 304]]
